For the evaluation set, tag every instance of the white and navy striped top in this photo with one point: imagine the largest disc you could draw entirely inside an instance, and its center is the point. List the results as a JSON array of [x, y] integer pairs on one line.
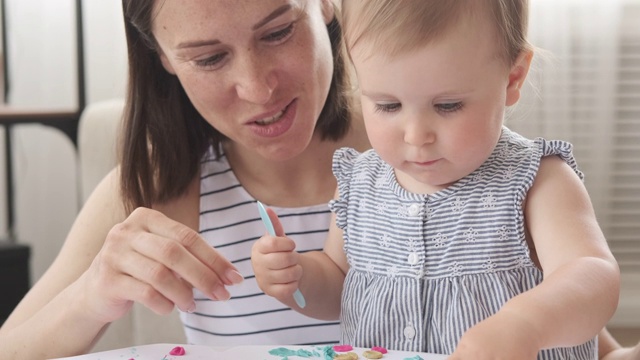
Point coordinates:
[[230, 222], [425, 268]]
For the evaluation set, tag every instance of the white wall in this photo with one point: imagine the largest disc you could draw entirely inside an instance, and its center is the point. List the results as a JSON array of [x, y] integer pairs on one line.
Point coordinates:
[[105, 49], [42, 61]]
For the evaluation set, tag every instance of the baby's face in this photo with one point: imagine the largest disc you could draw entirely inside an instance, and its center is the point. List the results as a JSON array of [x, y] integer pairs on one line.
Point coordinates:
[[435, 114]]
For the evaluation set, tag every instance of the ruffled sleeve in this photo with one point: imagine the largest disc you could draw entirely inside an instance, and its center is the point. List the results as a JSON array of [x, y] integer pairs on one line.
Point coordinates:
[[562, 149], [343, 163], [524, 157]]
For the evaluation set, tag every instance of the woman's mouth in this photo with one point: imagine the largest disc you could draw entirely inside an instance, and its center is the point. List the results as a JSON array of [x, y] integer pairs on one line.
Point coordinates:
[[271, 119], [276, 124]]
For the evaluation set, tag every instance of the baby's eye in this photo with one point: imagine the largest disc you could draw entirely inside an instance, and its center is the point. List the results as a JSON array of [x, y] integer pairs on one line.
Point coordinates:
[[449, 107], [211, 61], [390, 107], [279, 34]]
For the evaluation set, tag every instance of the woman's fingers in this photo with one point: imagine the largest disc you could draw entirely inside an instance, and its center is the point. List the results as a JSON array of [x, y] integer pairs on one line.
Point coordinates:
[[114, 284], [139, 291], [155, 276], [166, 259], [160, 225], [174, 257], [184, 251]]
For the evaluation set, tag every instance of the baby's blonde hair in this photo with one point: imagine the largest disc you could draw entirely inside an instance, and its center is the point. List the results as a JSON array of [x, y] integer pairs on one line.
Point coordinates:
[[398, 26]]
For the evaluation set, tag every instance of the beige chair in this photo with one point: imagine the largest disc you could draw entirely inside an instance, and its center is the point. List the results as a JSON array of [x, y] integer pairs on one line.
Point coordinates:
[[97, 132]]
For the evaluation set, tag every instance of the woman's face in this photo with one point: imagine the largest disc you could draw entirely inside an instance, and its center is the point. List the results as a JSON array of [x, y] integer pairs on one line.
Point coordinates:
[[258, 71]]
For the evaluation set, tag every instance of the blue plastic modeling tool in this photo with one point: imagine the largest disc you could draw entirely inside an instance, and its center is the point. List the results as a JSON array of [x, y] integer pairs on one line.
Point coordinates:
[[297, 296]]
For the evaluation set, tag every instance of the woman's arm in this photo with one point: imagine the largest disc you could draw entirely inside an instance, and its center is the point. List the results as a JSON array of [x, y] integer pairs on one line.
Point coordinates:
[[51, 320], [106, 263]]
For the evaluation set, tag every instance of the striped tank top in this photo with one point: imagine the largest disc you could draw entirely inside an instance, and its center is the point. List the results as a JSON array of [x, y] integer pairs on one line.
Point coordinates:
[[425, 268], [230, 222]]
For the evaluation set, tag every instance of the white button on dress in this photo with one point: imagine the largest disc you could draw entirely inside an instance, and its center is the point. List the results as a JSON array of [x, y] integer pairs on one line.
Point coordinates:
[[414, 210], [409, 332], [412, 259]]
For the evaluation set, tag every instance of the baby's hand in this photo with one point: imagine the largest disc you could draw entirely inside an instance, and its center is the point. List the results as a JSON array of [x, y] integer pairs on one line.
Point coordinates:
[[275, 263], [498, 337], [624, 354]]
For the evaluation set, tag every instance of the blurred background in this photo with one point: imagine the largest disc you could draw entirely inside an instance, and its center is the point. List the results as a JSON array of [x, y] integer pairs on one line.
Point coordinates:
[[62, 55]]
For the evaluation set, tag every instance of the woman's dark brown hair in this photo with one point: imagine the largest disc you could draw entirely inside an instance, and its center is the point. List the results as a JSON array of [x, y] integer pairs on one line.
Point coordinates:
[[163, 137]]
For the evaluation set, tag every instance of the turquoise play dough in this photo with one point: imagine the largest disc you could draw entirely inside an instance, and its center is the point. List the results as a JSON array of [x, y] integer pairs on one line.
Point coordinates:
[[326, 352]]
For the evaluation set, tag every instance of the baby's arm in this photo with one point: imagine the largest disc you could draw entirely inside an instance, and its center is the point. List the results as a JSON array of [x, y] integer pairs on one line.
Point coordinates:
[[610, 349], [626, 353], [580, 289], [581, 285], [319, 275]]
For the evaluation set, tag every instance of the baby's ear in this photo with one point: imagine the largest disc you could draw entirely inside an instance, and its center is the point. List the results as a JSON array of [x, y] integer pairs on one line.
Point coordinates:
[[517, 76]]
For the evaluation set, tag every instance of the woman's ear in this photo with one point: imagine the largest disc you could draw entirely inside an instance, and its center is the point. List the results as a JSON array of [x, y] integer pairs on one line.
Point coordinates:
[[165, 62], [517, 76], [328, 11]]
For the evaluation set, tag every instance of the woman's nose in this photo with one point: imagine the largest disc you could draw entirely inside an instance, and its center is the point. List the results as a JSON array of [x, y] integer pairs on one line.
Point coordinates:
[[256, 81]]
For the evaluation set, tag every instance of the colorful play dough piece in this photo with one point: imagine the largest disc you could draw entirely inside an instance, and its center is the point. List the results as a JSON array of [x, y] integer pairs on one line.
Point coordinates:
[[379, 349], [342, 348], [285, 352], [346, 356], [177, 351], [372, 354]]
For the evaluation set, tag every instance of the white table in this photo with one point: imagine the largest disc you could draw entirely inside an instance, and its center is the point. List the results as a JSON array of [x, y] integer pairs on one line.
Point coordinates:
[[197, 352]]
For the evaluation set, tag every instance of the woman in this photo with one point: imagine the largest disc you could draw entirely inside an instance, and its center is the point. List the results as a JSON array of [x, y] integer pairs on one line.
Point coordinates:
[[214, 85], [256, 78]]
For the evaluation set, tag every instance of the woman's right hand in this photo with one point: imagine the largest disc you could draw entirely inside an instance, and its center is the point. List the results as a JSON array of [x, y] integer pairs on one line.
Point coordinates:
[[156, 261], [109, 261]]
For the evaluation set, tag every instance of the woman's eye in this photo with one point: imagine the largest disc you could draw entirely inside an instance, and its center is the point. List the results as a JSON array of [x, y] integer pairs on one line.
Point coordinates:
[[391, 107], [211, 61], [449, 107], [280, 34]]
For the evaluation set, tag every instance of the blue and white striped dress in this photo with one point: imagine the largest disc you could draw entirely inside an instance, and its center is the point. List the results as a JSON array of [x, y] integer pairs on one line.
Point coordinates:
[[230, 222], [425, 268]]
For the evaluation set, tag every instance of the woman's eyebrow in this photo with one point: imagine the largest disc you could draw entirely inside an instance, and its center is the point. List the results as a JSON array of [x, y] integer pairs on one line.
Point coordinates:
[[198, 43], [277, 12]]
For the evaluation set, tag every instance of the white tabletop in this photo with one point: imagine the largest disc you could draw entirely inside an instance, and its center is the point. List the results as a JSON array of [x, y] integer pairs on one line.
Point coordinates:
[[197, 352]]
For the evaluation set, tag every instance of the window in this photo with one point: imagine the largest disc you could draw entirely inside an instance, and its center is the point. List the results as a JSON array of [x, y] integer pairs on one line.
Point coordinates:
[[586, 90]]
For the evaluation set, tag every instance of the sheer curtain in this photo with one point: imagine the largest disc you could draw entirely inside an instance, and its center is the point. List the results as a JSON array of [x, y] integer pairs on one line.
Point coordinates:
[[584, 87]]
